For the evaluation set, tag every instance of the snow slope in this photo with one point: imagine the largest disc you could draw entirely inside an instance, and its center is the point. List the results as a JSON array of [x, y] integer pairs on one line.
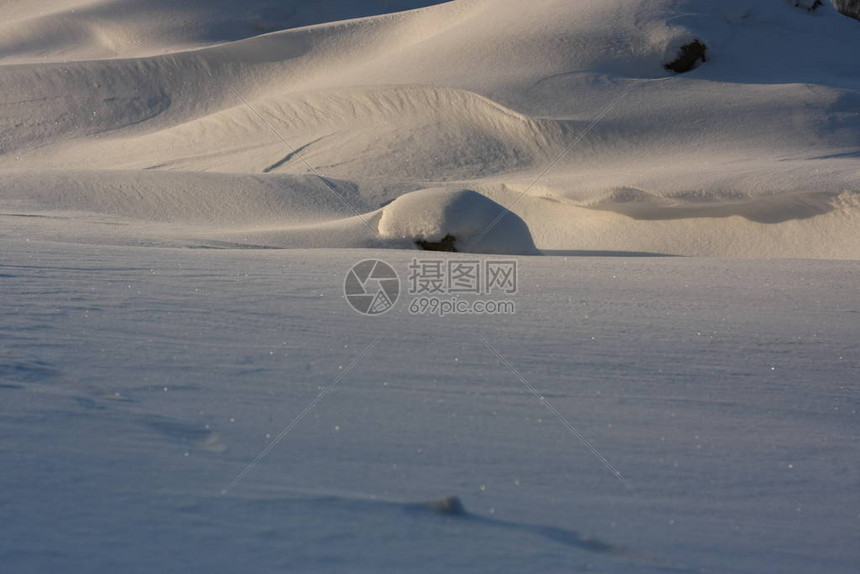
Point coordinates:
[[90, 29], [752, 154]]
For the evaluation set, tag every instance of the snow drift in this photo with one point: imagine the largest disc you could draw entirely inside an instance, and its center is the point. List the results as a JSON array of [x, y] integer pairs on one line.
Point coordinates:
[[752, 153], [461, 220]]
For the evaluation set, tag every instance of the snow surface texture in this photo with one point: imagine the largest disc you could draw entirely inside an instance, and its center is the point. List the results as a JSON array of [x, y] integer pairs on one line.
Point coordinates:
[[127, 113], [138, 383]]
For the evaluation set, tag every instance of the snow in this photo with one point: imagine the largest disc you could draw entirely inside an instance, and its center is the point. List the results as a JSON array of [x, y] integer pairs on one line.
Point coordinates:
[[139, 382], [476, 223], [184, 187], [470, 94]]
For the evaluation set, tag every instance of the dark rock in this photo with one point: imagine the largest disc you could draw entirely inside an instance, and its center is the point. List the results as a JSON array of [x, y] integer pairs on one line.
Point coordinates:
[[850, 8], [688, 57], [450, 505], [446, 244], [808, 5]]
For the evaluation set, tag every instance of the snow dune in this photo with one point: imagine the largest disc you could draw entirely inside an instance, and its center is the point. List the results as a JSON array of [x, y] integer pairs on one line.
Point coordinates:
[[137, 113], [90, 29]]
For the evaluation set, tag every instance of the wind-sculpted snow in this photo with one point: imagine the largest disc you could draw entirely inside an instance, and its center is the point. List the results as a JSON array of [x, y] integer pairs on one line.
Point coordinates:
[[360, 132], [88, 29], [753, 153]]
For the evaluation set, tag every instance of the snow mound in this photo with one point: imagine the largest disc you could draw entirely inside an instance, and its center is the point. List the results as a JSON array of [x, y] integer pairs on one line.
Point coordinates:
[[469, 221]]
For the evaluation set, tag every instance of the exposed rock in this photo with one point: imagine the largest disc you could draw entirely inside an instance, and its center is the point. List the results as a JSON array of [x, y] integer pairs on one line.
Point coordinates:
[[689, 57], [810, 5], [446, 244], [450, 505], [850, 8]]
